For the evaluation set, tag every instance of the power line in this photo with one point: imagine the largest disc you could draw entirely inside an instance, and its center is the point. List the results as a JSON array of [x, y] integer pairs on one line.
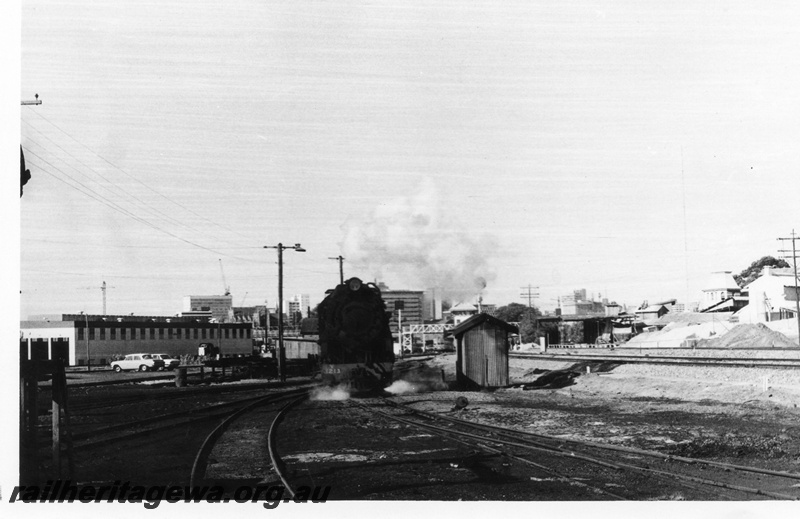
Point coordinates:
[[96, 196], [136, 179], [110, 183]]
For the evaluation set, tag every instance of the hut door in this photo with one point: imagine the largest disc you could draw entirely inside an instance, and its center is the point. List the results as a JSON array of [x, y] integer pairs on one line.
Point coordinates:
[[496, 358], [486, 356]]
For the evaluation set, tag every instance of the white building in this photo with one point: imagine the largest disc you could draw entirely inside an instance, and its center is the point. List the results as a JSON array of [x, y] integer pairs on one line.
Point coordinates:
[[719, 287], [461, 312], [773, 296], [298, 303]]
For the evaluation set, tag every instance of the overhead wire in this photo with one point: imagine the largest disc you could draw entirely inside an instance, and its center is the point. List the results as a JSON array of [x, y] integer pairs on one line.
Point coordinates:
[[136, 179], [110, 183], [88, 191], [94, 194]]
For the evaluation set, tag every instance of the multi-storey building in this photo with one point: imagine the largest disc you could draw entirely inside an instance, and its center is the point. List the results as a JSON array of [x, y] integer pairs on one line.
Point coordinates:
[[409, 302], [221, 307]]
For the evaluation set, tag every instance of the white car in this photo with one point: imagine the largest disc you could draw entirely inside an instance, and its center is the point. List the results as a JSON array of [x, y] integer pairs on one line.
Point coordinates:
[[137, 361], [170, 362]]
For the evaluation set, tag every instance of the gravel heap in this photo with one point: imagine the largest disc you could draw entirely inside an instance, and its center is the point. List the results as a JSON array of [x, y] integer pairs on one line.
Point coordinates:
[[748, 336]]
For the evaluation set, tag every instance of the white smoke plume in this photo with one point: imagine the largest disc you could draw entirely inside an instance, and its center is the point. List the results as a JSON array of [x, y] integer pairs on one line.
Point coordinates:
[[407, 387], [329, 393], [409, 239]]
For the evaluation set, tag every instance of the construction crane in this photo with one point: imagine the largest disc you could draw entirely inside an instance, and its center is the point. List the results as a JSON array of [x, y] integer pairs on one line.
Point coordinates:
[[225, 285], [244, 299], [103, 287]]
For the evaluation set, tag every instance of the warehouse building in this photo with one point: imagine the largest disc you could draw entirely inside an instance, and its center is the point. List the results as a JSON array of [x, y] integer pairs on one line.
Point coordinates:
[[78, 337]]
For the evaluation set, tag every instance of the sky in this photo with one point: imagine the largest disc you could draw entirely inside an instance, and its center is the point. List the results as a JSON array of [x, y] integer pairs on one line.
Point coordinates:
[[627, 148]]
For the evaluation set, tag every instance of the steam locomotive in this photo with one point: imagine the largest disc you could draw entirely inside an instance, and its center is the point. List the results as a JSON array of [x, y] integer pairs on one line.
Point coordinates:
[[354, 337]]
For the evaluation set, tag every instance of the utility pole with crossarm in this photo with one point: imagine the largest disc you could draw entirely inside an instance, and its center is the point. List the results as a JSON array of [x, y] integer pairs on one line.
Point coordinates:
[[340, 259], [794, 238]]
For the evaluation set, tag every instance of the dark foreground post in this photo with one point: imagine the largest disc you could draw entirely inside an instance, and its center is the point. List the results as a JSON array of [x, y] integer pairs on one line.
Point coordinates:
[[180, 377]]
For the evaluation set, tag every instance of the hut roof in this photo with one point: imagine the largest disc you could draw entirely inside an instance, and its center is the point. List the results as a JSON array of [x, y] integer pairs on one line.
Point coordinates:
[[478, 319]]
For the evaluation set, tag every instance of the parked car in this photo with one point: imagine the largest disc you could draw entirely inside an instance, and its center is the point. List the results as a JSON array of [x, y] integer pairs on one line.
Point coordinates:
[[170, 362], [137, 361]]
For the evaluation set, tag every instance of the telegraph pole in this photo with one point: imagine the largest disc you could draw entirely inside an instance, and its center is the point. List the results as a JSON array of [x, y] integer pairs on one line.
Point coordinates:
[[281, 350], [794, 238], [340, 259], [530, 293]]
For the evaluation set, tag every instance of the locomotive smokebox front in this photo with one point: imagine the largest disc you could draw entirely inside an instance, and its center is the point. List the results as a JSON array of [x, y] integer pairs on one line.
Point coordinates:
[[354, 334]]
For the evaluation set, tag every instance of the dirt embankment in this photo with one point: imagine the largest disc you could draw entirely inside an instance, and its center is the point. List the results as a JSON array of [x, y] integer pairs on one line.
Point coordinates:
[[612, 380]]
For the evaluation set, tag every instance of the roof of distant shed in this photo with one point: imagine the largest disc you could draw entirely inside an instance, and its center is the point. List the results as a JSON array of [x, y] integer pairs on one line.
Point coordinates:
[[721, 281], [464, 307], [479, 319], [650, 309]]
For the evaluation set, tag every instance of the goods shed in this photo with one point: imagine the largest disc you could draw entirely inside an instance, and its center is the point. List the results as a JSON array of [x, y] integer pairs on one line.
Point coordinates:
[[482, 351]]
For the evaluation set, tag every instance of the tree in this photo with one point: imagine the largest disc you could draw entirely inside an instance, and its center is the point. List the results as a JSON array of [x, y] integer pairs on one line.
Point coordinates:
[[528, 328], [527, 317], [752, 272], [511, 313]]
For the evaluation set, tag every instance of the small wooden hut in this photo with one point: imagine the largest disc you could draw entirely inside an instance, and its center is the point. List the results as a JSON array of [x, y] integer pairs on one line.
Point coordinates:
[[482, 351]]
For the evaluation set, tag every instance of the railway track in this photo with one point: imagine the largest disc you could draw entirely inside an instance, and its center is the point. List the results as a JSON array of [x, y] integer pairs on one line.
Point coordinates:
[[596, 467], [158, 448], [170, 394], [683, 361], [199, 467]]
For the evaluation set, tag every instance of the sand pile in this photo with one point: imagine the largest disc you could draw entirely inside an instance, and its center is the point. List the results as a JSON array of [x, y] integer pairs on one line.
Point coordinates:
[[749, 336], [675, 334]]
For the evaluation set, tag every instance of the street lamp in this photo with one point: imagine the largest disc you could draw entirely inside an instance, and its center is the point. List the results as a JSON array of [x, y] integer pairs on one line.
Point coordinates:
[[281, 351]]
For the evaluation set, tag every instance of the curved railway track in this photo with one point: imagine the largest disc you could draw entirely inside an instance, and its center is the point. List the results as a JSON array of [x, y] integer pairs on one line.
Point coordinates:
[[157, 448], [683, 361], [200, 464], [571, 461]]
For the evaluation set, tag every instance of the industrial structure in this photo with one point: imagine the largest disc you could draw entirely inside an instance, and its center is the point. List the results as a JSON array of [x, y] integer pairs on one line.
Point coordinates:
[[78, 338]]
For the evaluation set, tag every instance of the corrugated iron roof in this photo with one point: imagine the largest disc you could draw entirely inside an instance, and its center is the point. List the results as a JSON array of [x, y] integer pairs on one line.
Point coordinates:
[[478, 319]]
